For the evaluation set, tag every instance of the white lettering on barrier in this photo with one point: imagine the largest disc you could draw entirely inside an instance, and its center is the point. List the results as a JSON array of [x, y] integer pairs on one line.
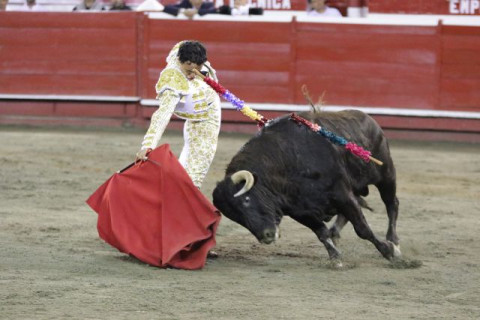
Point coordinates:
[[464, 6], [475, 5], [271, 4], [454, 7]]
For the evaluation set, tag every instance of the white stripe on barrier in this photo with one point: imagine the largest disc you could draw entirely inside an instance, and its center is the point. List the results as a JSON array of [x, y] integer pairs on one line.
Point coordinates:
[[68, 97], [404, 112]]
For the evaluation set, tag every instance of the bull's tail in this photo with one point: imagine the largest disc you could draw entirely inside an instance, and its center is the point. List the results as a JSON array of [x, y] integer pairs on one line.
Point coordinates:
[[316, 108]]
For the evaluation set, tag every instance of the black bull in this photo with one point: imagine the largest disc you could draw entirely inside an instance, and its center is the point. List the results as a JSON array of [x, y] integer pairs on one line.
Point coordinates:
[[287, 169]]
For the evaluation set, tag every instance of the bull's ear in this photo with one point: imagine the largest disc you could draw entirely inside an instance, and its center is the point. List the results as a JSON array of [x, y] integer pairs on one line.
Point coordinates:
[[255, 178]]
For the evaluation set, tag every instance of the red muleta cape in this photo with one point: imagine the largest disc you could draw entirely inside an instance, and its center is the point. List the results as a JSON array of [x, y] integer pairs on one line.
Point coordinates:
[[152, 211]]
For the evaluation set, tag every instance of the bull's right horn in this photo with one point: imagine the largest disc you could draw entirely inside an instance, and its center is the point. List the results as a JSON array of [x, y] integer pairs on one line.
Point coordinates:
[[243, 175]]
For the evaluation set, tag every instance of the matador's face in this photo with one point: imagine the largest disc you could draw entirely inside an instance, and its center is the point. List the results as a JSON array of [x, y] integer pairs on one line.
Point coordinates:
[[188, 67]]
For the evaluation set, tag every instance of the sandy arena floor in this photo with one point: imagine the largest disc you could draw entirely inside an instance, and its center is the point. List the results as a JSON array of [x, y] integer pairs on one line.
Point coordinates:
[[54, 266]]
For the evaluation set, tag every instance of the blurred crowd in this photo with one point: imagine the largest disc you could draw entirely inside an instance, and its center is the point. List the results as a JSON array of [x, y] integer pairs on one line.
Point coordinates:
[[186, 8]]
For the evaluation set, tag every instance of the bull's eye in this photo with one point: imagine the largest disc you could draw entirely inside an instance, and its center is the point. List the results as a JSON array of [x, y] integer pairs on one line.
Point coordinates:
[[246, 201]]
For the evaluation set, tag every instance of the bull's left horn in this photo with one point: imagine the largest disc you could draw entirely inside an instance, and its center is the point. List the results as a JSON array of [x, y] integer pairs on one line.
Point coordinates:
[[243, 175]]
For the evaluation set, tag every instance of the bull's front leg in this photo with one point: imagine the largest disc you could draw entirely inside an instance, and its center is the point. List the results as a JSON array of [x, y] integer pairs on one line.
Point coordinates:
[[321, 231]]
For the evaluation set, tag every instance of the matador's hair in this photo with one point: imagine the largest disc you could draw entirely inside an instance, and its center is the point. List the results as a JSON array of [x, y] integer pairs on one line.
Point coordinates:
[[192, 51]]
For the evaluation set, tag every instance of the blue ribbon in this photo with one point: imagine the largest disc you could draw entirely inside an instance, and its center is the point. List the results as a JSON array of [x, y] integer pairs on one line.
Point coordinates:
[[233, 100]]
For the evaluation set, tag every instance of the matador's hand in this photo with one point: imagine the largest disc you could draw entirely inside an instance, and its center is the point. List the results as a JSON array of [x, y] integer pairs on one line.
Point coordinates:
[[142, 155]]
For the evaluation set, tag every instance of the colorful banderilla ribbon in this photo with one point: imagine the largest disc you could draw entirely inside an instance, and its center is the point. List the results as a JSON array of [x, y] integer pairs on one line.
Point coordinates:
[[341, 141], [261, 120], [230, 97]]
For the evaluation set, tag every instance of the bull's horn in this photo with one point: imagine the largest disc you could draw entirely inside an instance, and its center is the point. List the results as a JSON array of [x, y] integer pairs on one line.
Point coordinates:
[[243, 175]]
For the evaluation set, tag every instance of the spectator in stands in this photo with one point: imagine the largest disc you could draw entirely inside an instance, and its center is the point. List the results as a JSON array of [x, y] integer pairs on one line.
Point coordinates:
[[3, 5], [118, 5], [190, 8], [150, 5], [89, 5], [182, 93], [319, 8], [29, 5], [240, 8]]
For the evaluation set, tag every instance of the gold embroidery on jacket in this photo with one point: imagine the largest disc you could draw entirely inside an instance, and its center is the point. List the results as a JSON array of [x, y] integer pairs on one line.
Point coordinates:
[[200, 106], [160, 118], [172, 79], [190, 116]]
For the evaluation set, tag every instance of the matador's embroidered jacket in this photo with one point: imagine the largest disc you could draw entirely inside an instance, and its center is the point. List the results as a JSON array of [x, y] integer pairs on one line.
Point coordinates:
[[194, 101], [187, 99]]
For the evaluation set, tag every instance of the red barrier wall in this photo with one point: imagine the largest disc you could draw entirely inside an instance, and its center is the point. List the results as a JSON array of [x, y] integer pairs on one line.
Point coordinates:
[[362, 65], [255, 65], [68, 53], [122, 54], [460, 78], [395, 66]]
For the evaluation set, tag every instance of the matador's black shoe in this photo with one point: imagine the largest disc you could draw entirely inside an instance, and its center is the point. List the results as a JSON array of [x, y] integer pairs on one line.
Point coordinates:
[[212, 254]]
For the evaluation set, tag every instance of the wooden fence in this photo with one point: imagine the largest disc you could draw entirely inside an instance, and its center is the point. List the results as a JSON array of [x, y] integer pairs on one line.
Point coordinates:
[[103, 65]]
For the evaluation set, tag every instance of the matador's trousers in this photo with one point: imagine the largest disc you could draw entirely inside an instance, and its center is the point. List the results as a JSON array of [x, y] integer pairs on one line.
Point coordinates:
[[200, 143]]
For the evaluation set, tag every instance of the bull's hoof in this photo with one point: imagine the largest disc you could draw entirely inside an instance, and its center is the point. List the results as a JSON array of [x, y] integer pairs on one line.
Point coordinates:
[[392, 237], [396, 253], [390, 251], [335, 264]]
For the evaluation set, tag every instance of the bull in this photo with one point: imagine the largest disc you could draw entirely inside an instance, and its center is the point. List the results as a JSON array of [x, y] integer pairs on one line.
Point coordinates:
[[289, 170]]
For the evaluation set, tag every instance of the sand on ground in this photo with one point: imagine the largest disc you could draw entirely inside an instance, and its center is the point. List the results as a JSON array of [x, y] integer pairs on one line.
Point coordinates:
[[54, 266]]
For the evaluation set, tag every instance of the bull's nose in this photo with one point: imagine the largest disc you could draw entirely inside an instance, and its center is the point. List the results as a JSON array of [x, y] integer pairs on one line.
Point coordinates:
[[268, 236], [269, 233]]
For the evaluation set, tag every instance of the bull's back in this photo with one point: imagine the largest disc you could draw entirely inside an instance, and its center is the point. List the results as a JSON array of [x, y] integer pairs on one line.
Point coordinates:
[[353, 125], [361, 129], [285, 146]]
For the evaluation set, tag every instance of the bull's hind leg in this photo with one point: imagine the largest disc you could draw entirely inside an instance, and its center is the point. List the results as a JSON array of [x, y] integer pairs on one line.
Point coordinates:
[[353, 212], [387, 191], [337, 227], [323, 235]]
